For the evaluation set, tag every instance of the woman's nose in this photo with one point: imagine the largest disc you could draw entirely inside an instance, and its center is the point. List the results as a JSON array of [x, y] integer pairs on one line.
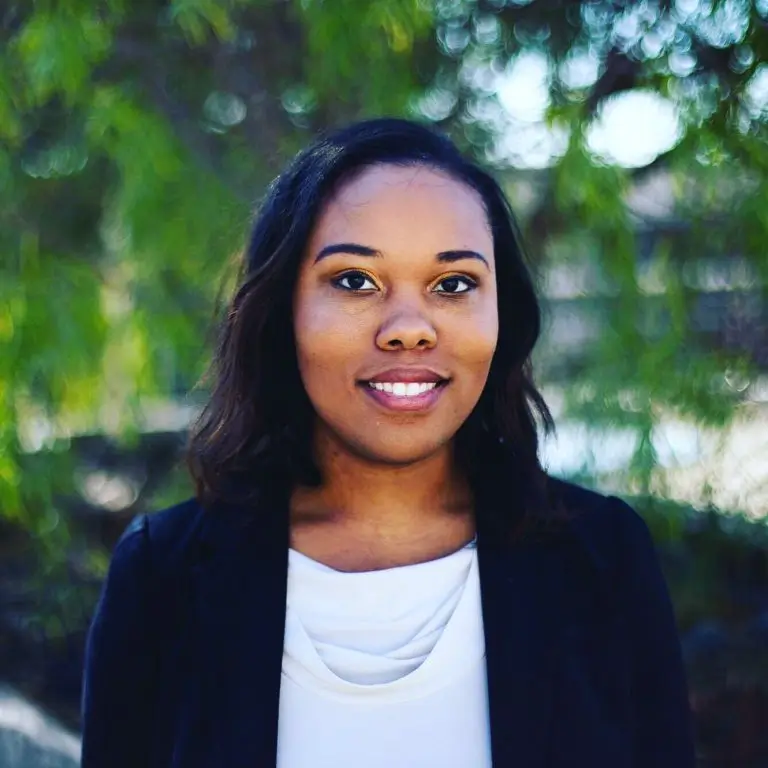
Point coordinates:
[[406, 330]]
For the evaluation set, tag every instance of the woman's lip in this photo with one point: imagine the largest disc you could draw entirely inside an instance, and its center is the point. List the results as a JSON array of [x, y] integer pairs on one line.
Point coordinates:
[[421, 402], [407, 376]]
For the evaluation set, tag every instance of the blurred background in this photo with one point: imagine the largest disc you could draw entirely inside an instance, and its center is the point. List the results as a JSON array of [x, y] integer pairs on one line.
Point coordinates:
[[136, 139]]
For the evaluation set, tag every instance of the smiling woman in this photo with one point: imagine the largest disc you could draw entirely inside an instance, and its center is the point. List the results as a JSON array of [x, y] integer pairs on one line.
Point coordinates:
[[385, 237], [376, 569]]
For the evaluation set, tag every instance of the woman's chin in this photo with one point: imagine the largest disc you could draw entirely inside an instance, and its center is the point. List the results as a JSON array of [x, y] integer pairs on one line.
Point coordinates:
[[400, 453]]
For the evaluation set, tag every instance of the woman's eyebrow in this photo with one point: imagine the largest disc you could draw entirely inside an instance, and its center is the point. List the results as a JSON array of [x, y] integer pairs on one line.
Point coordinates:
[[451, 256], [355, 249], [349, 248]]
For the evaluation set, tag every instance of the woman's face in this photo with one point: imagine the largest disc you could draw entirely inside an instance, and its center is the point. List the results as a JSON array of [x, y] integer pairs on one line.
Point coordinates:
[[395, 313]]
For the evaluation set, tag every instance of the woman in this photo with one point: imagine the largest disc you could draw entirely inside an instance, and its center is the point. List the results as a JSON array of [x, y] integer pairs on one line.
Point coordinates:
[[376, 570]]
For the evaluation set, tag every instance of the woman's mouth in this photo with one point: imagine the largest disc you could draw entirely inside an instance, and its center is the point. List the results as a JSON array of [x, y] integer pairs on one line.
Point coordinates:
[[405, 395]]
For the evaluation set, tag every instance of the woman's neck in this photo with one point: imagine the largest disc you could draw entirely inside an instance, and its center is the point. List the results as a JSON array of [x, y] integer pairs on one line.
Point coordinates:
[[411, 513]]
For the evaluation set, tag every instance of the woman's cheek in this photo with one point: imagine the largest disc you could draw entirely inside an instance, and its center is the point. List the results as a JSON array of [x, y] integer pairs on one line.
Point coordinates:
[[326, 336], [473, 339]]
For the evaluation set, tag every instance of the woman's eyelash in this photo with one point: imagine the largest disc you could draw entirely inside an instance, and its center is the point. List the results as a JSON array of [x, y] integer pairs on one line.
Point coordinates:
[[468, 282], [355, 281], [353, 276]]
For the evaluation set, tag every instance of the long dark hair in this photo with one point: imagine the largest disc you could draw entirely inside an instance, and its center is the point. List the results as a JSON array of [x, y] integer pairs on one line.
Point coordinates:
[[257, 425]]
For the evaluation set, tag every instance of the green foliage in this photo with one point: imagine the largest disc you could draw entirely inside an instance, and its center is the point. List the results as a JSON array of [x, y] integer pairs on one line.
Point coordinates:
[[58, 51], [370, 71]]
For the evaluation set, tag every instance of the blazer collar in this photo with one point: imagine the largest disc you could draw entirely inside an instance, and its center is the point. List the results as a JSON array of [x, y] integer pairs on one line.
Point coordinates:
[[239, 597], [521, 592], [239, 624]]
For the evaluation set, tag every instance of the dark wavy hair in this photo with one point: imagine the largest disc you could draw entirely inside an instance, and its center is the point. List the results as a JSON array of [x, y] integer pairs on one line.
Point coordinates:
[[257, 425]]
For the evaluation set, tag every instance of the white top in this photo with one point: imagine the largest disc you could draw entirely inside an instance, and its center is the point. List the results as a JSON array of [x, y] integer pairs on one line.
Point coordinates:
[[384, 669]]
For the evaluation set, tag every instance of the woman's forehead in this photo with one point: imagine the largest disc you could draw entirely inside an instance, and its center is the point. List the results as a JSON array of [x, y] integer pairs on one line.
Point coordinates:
[[415, 199], [383, 182]]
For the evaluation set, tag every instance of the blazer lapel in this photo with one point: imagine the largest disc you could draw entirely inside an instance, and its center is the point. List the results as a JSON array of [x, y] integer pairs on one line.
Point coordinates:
[[241, 599], [522, 614]]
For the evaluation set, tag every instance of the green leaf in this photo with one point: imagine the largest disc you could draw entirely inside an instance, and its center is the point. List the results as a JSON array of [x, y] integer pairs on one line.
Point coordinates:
[[57, 52]]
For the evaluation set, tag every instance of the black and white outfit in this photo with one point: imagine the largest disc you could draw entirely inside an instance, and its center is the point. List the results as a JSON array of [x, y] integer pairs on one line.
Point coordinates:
[[215, 645]]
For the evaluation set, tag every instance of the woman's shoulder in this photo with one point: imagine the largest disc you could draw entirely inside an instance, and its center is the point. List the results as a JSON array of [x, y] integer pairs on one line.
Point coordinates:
[[592, 511], [190, 531], [167, 526], [605, 525], [160, 539], [173, 527]]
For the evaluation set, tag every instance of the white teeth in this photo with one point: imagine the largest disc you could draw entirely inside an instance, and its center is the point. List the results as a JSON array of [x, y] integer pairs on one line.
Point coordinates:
[[401, 389]]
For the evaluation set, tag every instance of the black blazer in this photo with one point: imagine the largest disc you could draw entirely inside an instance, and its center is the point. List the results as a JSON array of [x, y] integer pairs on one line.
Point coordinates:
[[183, 655]]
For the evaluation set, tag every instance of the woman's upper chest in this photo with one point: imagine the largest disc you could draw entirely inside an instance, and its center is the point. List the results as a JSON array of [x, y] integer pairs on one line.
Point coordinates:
[[353, 547]]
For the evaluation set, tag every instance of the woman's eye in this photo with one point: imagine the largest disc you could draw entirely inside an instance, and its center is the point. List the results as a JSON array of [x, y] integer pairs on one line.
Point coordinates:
[[354, 281], [455, 285]]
